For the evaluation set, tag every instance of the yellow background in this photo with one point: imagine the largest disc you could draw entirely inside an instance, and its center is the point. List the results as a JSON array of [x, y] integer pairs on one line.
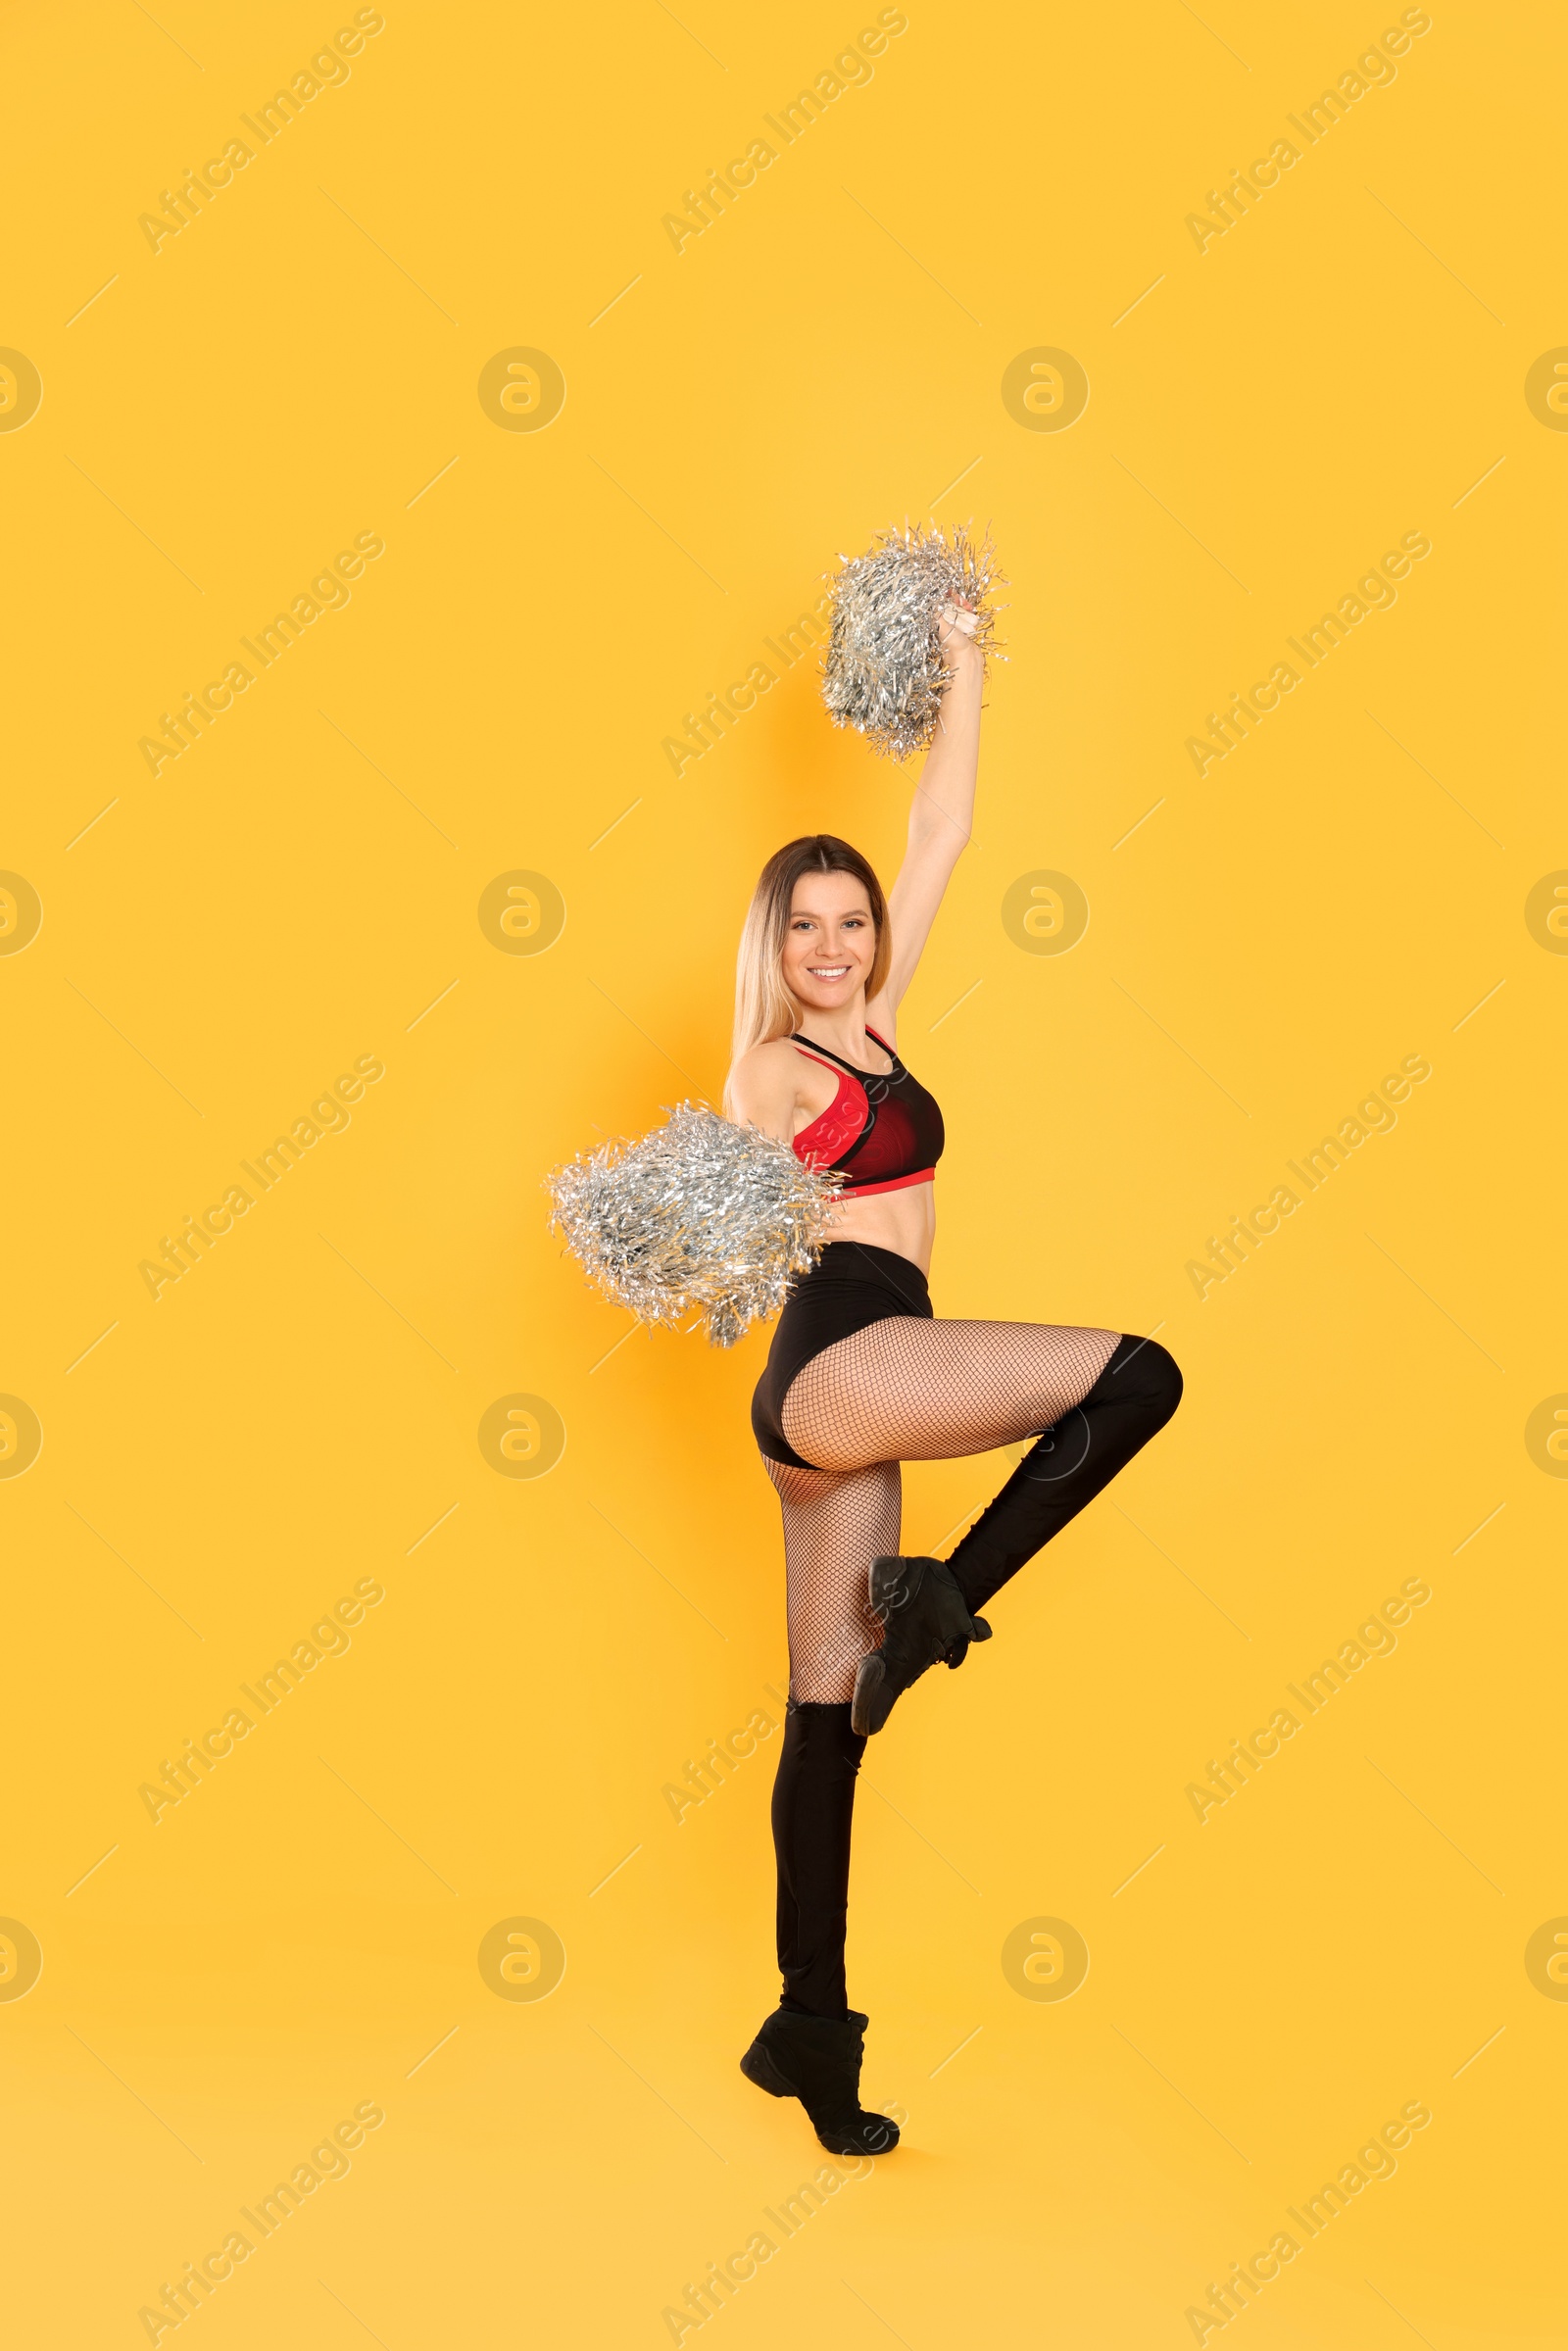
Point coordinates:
[[300, 365]]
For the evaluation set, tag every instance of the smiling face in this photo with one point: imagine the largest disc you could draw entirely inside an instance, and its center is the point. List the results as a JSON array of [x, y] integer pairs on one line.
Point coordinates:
[[829, 942]]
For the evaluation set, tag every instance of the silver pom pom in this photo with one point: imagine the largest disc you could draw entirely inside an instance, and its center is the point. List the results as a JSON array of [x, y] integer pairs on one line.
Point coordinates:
[[885, 672], [700, 1215]]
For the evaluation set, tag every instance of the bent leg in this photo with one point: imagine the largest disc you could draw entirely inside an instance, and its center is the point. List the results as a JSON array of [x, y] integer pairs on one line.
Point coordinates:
[[1132, 1399], [911, 1389]]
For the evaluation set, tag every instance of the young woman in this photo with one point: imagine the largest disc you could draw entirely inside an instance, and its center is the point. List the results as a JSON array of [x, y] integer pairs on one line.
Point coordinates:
[[861, 1376]]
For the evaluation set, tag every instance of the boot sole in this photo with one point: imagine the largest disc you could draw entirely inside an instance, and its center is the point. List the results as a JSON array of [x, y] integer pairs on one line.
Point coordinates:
[[845, 2143], [886, 1583]]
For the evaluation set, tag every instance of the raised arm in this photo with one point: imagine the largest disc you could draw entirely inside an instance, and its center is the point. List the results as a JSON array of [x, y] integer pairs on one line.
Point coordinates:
[[941, 813]]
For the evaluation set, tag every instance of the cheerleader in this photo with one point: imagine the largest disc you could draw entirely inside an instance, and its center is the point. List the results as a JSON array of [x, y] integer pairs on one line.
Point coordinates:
[[863, 1374]]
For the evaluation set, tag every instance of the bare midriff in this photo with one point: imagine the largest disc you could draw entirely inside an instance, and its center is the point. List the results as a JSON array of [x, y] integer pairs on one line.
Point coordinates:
[[905, 1221]]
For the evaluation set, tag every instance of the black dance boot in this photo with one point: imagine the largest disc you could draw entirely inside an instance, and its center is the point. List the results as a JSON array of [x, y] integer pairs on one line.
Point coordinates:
[[817, 2060], [924, 1617]]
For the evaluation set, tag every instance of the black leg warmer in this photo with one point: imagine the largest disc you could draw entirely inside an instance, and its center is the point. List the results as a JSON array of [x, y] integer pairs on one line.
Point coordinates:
[[813, 1807], [1133, 1398]]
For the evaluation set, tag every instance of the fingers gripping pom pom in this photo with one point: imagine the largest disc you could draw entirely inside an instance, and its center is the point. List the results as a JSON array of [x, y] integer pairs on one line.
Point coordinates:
[[701, 1215], [885, 670]]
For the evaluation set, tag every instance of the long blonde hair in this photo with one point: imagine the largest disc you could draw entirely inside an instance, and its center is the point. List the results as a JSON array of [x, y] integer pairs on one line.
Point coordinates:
[[764, 1006]]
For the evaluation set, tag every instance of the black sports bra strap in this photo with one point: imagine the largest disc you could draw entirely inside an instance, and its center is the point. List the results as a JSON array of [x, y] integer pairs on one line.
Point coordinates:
[[801, 1040]]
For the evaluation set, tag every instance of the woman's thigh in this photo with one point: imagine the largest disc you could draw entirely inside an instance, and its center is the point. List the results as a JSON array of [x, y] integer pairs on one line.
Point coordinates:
[[910, 1390]]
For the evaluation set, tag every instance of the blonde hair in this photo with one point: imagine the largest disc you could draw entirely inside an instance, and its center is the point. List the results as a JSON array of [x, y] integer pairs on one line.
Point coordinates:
[[764, 1006]]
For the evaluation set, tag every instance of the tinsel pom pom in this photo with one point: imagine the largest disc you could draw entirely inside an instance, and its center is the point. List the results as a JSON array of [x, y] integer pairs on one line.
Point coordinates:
[[884, 671], [699, 1215]]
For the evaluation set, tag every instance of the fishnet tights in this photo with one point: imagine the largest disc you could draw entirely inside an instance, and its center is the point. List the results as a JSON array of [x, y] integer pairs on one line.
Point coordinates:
[[902, 1390]]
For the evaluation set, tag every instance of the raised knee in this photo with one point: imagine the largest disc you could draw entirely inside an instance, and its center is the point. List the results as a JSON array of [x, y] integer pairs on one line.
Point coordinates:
[[1148, 1379], [1162, 1381]]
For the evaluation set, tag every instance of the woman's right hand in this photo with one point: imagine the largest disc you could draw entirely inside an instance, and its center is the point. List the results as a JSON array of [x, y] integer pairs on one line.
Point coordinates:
[[956, 627]]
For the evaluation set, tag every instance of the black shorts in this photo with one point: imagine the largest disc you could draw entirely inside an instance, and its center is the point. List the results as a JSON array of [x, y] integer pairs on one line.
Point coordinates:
[[851, 1285]]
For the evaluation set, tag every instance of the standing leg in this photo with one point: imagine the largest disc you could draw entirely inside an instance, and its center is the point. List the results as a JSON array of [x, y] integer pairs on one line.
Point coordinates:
[[834, 1527], [811, 2046], [813, 1813]]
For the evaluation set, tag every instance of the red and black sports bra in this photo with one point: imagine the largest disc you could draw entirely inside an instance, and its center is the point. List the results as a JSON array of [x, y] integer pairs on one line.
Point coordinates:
[[884, 1132]]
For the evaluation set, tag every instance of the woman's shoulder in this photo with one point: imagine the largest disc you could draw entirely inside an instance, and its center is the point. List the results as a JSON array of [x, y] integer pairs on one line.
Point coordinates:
[[764, 1087], [770, 1066]]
